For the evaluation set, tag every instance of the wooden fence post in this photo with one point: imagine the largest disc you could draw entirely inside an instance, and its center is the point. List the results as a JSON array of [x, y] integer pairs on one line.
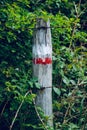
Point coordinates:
[[42, 66]]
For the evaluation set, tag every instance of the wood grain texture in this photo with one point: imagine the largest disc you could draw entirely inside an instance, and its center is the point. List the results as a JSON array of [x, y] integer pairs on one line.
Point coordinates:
[[42, 67]]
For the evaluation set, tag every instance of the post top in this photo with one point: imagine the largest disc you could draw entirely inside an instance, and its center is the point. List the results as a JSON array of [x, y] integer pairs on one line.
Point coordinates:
[[41, 23]]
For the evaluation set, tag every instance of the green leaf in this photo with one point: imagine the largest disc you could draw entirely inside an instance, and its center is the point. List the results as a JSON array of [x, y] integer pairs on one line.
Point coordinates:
[[66, 80], [30, 84], [57, 91], [37, 85], [73, 82], [73, 126]]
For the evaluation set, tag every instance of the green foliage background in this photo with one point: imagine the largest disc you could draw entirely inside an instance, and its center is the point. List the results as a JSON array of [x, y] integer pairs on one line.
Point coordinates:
[[69, 38]]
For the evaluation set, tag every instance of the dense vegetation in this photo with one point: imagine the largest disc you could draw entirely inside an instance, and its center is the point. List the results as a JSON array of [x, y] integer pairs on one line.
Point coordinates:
[[17, 87]]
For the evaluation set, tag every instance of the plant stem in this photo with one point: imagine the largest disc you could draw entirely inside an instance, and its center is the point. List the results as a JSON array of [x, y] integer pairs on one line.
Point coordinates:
[[75, 24], [4, 108], [39, 115], [16, 114]]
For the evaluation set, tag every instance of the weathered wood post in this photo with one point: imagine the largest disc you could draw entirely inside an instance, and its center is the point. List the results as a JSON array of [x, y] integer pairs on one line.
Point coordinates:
[[42, 66]]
